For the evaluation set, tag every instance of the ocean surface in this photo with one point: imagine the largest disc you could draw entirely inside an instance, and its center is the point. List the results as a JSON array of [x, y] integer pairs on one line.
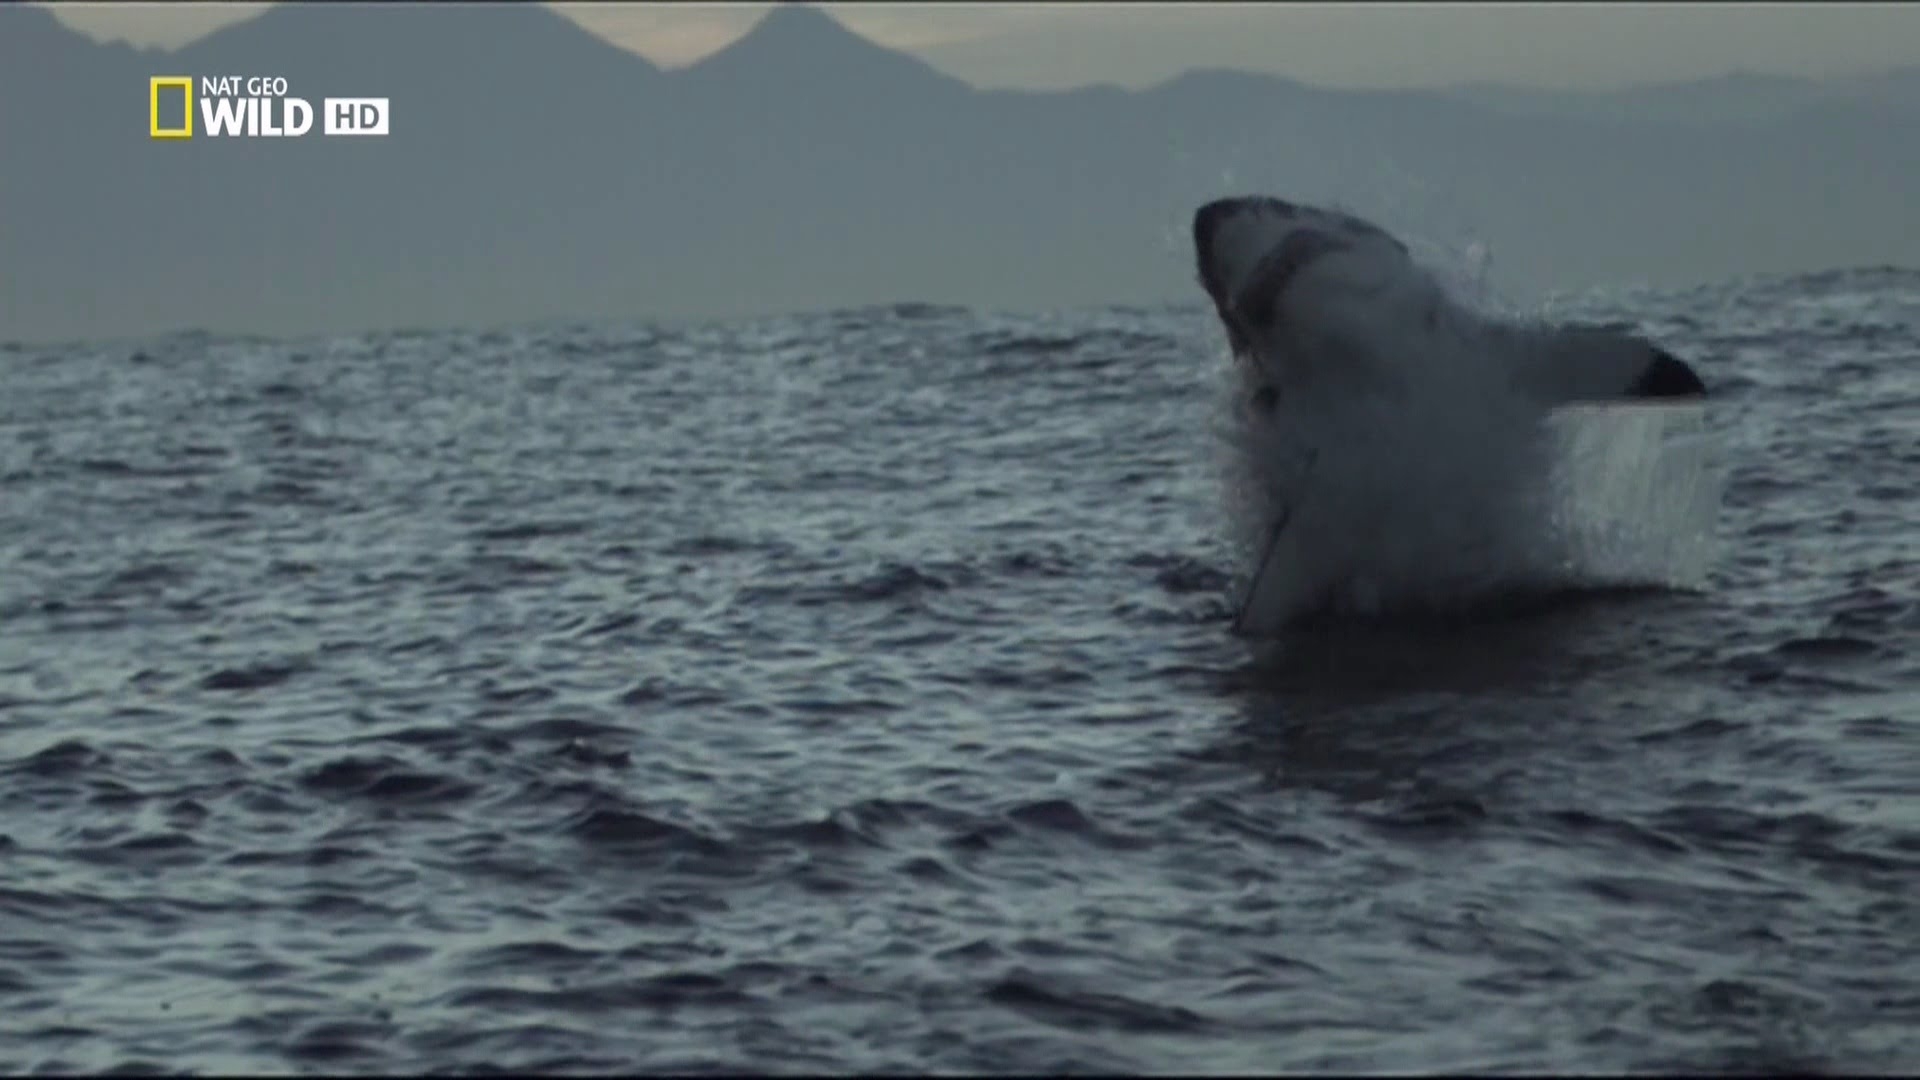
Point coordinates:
[[854, 691]]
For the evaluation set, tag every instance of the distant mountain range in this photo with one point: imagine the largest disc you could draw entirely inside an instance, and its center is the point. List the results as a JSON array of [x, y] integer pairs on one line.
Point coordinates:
[[1741, 96], [535, 171]]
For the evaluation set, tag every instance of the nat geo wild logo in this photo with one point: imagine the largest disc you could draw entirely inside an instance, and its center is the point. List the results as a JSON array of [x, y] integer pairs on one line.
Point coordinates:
[[254, 107]]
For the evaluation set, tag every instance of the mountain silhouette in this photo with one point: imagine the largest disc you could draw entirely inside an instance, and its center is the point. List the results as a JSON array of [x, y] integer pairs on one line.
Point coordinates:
[[535, 171], [800, 47], [1735, 97]]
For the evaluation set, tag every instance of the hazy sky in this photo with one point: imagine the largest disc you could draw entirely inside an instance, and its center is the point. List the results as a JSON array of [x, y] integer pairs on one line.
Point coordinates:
[[1590, 45]]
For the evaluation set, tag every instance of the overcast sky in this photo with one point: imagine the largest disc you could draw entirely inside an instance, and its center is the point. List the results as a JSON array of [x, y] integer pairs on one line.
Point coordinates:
[[1373, 44]]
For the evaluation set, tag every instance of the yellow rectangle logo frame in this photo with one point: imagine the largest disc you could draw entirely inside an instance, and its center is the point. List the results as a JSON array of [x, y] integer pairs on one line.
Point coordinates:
[[164, 82]]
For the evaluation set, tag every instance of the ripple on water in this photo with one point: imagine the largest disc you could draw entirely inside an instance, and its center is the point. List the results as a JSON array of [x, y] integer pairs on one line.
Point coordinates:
[[566, 700]]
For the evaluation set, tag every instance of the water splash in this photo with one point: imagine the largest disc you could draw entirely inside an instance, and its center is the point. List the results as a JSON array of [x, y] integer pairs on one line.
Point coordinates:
[[1637, 492]]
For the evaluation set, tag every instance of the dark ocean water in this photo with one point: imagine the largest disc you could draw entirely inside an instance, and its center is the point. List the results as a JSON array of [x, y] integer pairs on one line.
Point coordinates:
[[854, 691]]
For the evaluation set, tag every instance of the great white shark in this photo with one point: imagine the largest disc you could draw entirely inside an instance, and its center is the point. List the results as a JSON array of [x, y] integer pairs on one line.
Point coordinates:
[[1345, 343]]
